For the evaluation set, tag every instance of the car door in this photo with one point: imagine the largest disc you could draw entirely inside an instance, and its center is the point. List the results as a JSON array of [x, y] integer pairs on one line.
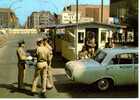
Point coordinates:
[[121, 68]]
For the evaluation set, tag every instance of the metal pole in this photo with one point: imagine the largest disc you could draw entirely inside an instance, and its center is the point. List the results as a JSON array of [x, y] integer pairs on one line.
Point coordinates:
[[76, 34], [76, 11], [101, 11]]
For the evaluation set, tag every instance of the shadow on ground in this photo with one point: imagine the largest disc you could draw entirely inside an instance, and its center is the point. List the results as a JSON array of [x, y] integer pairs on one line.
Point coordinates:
[[12, 88], [77, 90]]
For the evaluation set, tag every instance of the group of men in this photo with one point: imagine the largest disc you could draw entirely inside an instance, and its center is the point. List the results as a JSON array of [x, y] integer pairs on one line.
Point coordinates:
[[44, 55]]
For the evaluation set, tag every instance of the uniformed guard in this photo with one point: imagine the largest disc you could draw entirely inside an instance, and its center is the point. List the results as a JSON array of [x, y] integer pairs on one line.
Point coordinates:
[[41, 67], [49, 71], [22, 56]]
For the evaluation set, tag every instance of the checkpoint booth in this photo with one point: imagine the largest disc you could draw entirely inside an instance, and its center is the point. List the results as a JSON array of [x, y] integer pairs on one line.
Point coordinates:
[[74, 36]]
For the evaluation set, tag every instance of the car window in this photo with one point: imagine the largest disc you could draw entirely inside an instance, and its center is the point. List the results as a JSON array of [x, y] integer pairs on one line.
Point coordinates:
[[124, 58], [99, 57]]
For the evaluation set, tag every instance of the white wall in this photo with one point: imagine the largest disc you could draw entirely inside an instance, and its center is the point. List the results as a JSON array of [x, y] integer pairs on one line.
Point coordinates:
[[19, 31]]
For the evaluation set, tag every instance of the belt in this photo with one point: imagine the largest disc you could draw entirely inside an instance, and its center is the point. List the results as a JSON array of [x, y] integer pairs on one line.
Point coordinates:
[[41, 61]]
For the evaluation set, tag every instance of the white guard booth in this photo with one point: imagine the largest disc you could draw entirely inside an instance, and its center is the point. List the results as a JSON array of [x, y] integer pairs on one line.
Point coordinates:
[[74, 37]]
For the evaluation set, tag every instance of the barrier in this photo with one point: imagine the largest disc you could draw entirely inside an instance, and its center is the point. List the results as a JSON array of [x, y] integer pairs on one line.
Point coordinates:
[[19, 31]]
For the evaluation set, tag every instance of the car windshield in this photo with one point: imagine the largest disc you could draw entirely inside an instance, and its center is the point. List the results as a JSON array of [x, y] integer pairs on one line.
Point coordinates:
[[99, 57]]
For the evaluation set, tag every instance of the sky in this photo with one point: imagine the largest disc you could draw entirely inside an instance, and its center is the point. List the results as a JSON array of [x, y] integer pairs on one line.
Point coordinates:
[[24, 8]]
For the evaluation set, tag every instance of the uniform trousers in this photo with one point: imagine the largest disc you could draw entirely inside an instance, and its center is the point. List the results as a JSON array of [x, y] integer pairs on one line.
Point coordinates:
[[41, 69], [21, 72], [49, 73]]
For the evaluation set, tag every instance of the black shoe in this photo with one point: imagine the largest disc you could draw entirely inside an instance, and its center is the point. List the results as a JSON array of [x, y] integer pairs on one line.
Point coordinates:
[[33, 93], [21, 88], [42, 94]]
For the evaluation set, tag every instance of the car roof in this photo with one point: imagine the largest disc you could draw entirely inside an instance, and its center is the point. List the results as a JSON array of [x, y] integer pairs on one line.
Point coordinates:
[[121, 50]]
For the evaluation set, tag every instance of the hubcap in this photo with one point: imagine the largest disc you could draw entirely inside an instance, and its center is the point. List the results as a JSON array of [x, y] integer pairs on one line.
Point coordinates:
[[103, 84]]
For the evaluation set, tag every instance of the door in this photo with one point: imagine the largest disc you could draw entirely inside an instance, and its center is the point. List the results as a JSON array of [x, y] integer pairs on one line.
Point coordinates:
[[121, 68]]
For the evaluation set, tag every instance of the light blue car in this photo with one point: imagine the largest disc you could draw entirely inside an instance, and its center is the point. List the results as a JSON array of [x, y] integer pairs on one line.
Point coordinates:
[[111, 66]]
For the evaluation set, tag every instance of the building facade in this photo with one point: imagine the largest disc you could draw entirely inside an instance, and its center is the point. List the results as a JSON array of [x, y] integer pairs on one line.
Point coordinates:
[[8, 18], [127, 13], [40, 19], [91, 12]]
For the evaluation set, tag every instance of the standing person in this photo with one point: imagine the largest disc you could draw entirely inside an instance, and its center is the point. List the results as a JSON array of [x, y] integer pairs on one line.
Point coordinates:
[[22, 57], [41, 67], [49, 70], [90, 43]]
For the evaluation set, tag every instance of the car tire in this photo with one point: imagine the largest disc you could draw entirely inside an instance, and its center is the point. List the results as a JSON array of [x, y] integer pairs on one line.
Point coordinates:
[[103, 84]]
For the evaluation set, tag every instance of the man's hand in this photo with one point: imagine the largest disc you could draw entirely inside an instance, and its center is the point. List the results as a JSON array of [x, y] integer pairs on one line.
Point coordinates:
[[29, 58]]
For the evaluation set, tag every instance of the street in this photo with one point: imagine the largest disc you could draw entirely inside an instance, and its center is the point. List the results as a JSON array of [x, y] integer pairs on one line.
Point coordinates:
[[64, 88]]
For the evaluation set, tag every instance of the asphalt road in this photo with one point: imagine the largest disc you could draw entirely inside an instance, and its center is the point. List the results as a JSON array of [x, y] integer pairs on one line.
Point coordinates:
[[64, 88]]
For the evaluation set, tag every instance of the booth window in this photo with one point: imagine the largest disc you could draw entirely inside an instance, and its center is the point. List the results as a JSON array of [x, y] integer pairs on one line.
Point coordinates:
[[103, 36], [80, 37]]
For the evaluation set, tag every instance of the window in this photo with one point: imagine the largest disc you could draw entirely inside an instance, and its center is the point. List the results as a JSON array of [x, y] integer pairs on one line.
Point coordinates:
[[125, 58], [99, 57], [80, 37], [103, 36]]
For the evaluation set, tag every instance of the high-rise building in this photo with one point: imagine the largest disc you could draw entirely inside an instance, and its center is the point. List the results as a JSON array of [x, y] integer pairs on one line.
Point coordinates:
[[8, 18], [40, 19], [90, 11]]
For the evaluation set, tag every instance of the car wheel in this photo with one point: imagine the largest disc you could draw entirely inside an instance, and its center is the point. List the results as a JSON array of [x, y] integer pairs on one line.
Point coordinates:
[[103, 84]]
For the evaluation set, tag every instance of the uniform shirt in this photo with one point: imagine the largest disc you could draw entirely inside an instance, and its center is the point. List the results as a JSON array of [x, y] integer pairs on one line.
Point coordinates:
[[21, 54], [48, 47], [42, 54]]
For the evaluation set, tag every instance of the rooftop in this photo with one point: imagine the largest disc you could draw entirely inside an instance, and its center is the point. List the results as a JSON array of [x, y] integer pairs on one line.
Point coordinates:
[[5, 10]]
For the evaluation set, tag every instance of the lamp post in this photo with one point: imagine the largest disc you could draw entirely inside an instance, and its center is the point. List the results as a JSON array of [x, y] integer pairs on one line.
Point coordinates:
[[101, 11], [76, 34], [10, 7]]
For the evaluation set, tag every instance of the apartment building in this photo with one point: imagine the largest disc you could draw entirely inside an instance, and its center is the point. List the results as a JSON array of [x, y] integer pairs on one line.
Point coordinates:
[[40, 19], [8, 18]]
